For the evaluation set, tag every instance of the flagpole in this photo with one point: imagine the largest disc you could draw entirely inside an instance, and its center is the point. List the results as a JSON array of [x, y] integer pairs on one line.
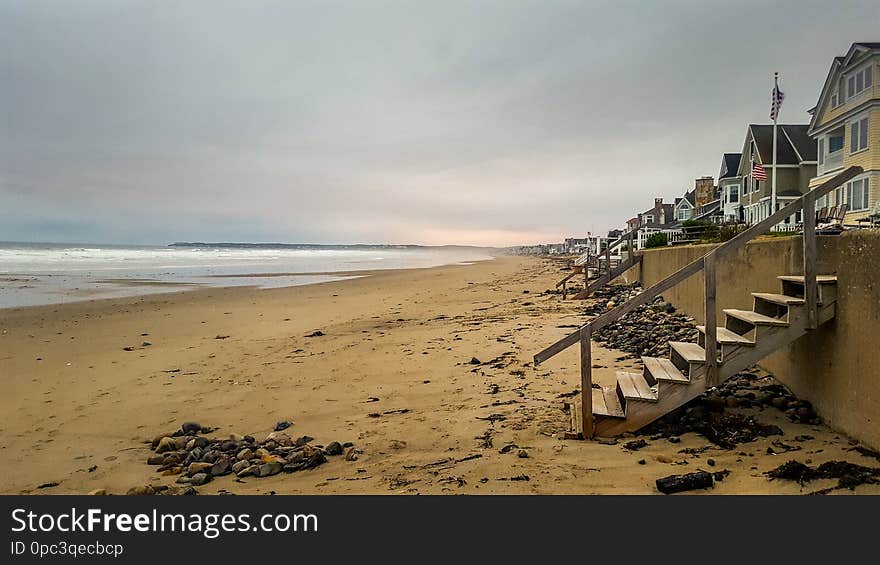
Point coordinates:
[[775, 116]]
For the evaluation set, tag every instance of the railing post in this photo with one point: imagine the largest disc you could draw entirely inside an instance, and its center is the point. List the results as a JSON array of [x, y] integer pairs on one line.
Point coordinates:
[[711, 322], [629, 245], [811, 290], [586, 381], [608, 259]]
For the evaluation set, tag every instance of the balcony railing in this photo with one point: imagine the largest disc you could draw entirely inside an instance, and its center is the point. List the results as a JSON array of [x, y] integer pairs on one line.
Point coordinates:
[[832, 162]]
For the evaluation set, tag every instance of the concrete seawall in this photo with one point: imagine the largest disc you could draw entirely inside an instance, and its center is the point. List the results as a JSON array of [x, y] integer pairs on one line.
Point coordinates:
[[837, 367]]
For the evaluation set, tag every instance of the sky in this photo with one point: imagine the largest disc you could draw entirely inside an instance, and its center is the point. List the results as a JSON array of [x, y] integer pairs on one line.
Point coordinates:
[[486, 122]]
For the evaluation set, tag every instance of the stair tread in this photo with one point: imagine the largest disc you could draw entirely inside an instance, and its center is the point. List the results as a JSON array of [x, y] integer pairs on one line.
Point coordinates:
[[634, 387], [724, 335], [689, 351], [664, 370], [754, 318], [606, 403], [782, 299], [821, 279]]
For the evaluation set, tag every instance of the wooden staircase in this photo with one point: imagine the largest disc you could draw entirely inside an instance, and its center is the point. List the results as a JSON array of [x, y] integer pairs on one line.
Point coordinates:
[[746, 337]]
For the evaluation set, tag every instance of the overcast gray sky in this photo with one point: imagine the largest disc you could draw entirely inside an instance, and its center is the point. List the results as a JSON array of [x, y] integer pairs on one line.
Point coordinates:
[[405, 122]]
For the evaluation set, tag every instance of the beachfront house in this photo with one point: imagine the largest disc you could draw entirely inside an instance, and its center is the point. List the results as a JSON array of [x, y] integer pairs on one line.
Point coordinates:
[[730, 188], [659, 218], [683, 209], [845, 128], [795, 166]]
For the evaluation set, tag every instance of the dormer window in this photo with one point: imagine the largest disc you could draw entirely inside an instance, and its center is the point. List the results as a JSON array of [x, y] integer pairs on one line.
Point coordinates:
[[858, 82]]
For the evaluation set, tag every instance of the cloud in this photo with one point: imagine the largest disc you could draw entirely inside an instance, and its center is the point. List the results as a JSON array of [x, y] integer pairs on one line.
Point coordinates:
[[453, 122]]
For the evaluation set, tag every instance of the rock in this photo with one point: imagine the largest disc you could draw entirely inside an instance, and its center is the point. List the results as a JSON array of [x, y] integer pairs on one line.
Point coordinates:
[[221, 467], [474, 361], [269, 469], [607, 440], [262, 453], [523, 454], [144, 490], [635, 445], [98, 492], [191, 428], [710, 462], [200, 479], [198, 467], [301, 441], [333, 448], [351, 454], [155, 459], [282, 425], [664, 459], [245, 454], [682, 483], [166, 444], [642, 462], [248, 471], [240, 466], [279, 438], [674, 439]]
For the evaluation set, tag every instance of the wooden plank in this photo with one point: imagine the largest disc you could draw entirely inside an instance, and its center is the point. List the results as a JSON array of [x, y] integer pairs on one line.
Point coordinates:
[[613, 407], [727, 337], [627, 387], [780, 299], [587, 381], [577, 419], [664, 370], [798, 279], [637, 385], [690, 352], [560, 345], [711, 325], [754, 318], [811, 289]]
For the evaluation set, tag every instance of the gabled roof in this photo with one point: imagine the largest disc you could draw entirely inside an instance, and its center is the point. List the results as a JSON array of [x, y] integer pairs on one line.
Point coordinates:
[[793, 145], [729, 165], [831, 79], [690, 197]]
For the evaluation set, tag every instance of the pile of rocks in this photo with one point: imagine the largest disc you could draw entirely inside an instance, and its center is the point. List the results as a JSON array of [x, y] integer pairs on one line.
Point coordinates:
[[198, 459], [647, 330], [706, 414]]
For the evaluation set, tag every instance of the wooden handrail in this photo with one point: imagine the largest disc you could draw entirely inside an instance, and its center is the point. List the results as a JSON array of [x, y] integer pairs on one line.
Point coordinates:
[[706, 265]]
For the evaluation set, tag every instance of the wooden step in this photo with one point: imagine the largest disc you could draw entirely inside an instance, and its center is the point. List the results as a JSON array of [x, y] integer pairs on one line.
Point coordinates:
[[664, 370], [690, 352], [634, 387], [781, 299], [754, 318], [725, 336], [799, 279], [606, 402]]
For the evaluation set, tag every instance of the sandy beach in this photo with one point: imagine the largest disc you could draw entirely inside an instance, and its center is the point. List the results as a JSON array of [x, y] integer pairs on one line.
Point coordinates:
[[87, 385]]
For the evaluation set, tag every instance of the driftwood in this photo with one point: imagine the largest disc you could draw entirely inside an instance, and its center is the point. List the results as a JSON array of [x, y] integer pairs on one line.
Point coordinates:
[[681, 483]]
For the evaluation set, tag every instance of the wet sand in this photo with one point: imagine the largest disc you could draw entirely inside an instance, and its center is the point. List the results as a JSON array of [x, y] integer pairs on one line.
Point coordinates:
[[78, 406]]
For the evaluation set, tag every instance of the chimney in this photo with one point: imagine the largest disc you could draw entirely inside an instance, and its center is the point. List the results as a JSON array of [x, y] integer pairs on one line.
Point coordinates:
[[704, 188]]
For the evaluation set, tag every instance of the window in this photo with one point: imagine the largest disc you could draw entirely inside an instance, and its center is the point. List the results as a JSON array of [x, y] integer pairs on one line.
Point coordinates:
[[838, 196], [835, 143], [857, 194], [822, 202], [858, 135], [734, 193], [859, 82]]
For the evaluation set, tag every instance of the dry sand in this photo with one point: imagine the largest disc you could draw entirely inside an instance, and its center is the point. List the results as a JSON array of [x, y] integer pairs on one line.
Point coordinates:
[[76, 407]]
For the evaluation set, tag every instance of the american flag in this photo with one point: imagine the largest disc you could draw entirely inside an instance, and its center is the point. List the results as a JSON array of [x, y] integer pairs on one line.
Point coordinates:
[[777, 96], [758, 172]]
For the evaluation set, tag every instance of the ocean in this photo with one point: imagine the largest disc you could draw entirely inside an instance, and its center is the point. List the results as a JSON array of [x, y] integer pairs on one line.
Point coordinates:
[[46, 273]]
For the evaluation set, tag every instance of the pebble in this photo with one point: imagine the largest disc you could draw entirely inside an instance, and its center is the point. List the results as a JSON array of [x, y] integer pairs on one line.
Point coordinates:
[[166, 444], [333, 448], [523, 454], [269, 469], [98, 492], [200, 479]]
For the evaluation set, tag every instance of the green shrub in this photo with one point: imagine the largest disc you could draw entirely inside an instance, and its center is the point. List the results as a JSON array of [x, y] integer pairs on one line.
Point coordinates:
[[658, 239]]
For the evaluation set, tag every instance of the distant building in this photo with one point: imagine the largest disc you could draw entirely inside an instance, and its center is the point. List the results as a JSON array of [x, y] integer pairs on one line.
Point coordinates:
[[730, 187], [795, 166]]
